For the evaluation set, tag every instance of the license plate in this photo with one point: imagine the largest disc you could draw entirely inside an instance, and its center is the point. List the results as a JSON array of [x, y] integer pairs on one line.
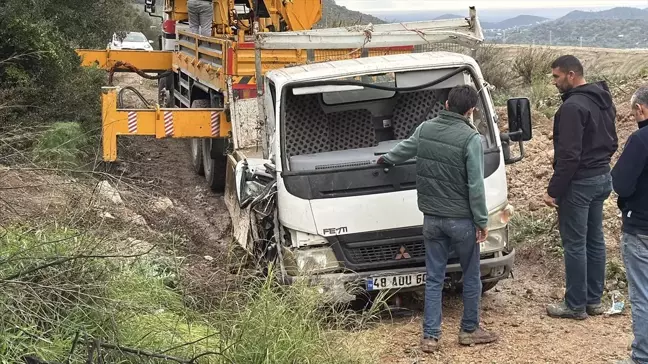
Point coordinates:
[[395, 282]]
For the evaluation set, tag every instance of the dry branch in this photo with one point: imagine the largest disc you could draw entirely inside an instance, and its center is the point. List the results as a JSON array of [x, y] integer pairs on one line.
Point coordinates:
[[64, 260]]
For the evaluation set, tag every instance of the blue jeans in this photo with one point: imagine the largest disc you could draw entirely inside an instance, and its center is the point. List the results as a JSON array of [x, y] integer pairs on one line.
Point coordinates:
[[580, 220], [440, 235], [634, 249]]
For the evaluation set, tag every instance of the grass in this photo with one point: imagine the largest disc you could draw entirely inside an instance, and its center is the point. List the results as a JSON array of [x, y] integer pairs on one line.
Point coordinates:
[[107, 294], [63, 145], [536, 230]]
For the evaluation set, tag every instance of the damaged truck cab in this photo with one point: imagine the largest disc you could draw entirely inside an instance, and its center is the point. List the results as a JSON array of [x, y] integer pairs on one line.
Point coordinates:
[[311, 197]]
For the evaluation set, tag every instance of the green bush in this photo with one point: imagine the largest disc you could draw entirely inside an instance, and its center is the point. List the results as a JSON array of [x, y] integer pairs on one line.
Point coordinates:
[[41, 80], [544, 96], [284, 324], [63, 145], [102, 292], [533, 62], [494, 67]]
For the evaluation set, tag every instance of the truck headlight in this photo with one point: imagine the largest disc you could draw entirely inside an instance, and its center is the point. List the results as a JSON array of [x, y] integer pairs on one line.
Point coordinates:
[[310, 261], [300, 239], [497, 230], [496, 241], [500, 218]]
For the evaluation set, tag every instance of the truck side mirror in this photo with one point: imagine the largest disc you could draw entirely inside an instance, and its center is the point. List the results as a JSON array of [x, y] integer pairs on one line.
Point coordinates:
[[519, 116], [149, 6], [520, 129]]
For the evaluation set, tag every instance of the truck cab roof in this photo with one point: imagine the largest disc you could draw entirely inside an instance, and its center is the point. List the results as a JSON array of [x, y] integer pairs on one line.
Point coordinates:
[[369, 65]]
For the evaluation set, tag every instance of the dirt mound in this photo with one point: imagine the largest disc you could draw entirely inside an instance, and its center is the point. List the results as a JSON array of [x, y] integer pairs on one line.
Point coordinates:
[[27, 194]]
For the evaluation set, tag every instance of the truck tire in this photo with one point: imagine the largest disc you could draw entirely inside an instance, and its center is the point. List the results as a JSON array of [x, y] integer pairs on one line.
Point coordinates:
[[196, 143], [488, 286], [165, 91], [214, 167], [197, 156]]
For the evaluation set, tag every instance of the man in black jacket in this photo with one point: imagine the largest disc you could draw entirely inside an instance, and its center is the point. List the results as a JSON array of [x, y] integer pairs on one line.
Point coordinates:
[[584, 141], [630, 180]]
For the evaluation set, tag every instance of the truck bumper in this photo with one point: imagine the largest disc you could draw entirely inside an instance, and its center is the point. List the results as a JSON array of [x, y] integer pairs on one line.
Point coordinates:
[[345, 287]]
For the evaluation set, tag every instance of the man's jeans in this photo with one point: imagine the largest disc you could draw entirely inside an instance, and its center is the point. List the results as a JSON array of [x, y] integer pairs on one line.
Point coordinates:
[[442, 234], [634, 249], [580, 217], [201, 16]]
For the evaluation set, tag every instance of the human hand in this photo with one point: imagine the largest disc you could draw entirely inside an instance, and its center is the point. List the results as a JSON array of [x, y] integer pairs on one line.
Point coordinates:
[[482, 234], [550, 201], [381, 160]]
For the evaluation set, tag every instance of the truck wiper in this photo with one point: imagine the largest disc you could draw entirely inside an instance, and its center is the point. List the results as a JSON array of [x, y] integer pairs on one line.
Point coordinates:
[[387, 88]]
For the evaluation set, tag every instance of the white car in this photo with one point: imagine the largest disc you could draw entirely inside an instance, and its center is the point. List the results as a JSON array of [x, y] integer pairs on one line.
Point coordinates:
[[130, 40]]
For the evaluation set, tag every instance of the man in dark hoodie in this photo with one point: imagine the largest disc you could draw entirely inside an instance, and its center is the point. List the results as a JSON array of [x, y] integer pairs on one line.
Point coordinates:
[[630, 180], [584, 141]]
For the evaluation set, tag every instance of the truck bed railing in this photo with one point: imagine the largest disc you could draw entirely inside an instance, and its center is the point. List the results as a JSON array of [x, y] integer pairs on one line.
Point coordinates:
[[466, 32]]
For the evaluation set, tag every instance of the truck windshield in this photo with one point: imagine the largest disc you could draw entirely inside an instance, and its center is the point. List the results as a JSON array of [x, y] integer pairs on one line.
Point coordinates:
[[351, 127]]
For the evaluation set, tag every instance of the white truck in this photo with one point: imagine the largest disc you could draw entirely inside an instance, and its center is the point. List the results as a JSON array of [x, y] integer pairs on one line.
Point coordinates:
[[292, 138], [303, 187]]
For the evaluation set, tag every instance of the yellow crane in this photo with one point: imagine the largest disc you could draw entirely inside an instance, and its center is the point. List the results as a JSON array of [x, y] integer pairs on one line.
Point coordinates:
[[211, 81]]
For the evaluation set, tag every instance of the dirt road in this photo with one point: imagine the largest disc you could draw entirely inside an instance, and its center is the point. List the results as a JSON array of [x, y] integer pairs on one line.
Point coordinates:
[[516, 311]]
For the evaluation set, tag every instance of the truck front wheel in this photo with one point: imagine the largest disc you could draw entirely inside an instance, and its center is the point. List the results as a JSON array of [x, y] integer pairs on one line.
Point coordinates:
[[488, 286]]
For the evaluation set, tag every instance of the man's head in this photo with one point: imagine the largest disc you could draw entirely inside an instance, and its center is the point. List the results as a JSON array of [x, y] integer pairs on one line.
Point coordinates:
[[462, 100], [567, 73], [639, 103]]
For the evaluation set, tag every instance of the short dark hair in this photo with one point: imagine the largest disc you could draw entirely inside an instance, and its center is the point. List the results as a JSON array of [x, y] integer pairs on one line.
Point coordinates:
[[567, 64], [462, 98]]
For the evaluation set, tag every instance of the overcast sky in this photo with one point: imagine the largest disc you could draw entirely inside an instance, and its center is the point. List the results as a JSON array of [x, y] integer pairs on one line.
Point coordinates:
[[371, 6]]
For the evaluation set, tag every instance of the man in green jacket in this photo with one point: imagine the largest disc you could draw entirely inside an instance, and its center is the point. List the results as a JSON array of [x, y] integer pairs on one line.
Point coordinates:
[[450, 188]]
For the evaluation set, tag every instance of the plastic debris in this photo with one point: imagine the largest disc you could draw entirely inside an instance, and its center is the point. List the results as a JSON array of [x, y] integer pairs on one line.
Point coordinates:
[[618, 303]]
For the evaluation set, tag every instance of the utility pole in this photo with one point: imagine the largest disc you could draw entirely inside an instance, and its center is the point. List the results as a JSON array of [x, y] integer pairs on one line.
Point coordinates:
[[550, 37]]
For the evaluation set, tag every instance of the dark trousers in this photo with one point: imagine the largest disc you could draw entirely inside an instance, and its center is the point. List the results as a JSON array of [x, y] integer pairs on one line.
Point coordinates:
[[580, 215]]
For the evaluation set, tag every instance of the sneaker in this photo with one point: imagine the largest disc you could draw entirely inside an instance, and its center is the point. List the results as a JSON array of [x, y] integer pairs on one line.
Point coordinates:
[[430, 345], [595, 310], [561, 310], [479, 336]]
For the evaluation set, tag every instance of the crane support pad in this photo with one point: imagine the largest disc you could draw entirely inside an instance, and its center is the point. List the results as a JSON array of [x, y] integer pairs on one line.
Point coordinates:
[[146, 61], [158, 122]]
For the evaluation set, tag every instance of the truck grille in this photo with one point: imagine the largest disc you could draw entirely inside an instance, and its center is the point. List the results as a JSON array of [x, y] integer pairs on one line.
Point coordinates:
[[386, 253], [378, 250]]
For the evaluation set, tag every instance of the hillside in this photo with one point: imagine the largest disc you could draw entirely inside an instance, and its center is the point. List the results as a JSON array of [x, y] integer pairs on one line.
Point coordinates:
[[448, 16], [615, 13], [519, 21], [605, 33], [334, 15]]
